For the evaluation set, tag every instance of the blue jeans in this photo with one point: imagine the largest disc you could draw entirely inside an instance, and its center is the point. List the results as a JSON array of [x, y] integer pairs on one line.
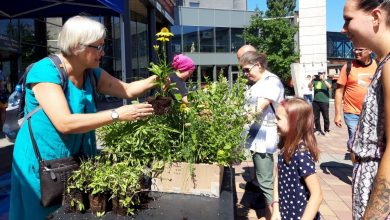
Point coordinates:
[[308, 98], [351, 120]]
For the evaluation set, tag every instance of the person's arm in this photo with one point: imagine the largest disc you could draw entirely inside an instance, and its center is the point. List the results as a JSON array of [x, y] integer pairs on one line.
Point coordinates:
[[52, 99], [275, 204], [338, 105], [112, 86], [327, 84], [262, 104], [310, 85], [378, 206], [315, 199]]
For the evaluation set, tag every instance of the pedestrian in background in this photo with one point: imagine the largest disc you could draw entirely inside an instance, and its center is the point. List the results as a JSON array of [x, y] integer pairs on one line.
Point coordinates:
[[297, 190], [66, 123], [321, 87], [261, 100], [355, 77], [367, 24], [307, 89]]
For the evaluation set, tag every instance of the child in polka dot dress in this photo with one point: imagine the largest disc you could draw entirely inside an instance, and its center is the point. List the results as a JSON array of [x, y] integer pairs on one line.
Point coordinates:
[[297, 191]]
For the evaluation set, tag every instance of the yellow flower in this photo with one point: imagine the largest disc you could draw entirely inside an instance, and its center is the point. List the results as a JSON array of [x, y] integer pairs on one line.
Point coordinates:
[[164, 33], [183, 108], [156, 47], [163, 39]]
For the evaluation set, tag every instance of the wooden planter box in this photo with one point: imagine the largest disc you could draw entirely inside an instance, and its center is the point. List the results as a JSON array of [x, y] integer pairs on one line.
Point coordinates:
[[176, 178]]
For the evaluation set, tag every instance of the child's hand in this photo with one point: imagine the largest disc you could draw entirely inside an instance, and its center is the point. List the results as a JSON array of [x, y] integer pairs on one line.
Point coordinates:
[[276, 215]]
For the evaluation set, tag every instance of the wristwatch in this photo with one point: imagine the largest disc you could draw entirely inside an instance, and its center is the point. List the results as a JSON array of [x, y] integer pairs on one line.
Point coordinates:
[[114, 115]]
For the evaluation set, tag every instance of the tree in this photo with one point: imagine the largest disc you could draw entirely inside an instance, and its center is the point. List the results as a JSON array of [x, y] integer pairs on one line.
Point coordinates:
[[275, 36], [280, 8]]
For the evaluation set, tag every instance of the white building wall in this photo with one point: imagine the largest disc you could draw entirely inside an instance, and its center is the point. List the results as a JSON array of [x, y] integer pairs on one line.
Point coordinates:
[[219, 4], [312, 41]]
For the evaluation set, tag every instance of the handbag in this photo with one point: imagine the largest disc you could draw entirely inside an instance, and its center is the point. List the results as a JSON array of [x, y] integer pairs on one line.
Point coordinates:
[[54, 174]]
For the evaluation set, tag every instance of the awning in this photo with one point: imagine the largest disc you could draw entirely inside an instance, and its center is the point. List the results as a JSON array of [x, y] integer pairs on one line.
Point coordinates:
[[59, 8]]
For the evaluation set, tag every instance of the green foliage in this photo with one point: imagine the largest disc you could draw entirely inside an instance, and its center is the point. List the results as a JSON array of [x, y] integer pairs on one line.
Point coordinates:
[[212, 125], [99, 181], [280, 8], [208, 131], [275, 37], [125, 184]]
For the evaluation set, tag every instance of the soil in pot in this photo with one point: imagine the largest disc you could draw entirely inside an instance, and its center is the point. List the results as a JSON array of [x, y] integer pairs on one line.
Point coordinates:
[[98, 203], [161, 105], [117, 208], [72, 200]]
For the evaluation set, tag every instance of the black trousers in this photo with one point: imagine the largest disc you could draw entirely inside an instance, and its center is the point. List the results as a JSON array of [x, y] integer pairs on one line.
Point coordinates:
[[321, 108]]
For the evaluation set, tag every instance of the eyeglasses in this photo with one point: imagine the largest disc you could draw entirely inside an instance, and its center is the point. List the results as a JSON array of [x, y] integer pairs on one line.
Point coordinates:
[[361, 50], [247, 70], [99, 48]]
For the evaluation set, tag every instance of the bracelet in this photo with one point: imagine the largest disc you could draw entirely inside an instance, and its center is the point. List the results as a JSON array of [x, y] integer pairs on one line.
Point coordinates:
[[272, 204]]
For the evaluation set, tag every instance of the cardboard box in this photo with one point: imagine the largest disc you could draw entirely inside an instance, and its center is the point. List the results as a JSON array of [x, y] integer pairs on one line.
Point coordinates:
[[176, 178]]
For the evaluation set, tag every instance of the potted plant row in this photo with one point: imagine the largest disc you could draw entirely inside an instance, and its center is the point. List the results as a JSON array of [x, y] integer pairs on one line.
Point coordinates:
[[111, 186]]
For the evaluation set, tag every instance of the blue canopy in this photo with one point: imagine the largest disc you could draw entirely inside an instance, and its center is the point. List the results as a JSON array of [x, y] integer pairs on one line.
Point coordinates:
[[59, 8]]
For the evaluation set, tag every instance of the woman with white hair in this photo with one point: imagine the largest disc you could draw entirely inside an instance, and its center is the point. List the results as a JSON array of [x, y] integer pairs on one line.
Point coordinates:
[[67, 121]]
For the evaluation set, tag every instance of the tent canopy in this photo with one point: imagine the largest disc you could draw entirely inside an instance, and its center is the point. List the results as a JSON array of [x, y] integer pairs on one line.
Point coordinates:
[[59, 8]]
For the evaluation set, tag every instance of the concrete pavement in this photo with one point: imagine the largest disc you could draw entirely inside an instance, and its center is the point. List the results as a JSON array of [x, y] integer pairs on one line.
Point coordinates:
[[334, 171]]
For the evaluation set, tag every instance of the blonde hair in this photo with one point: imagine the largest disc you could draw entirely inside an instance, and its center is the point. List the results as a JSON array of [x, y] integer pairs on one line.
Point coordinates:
[[77, 32]]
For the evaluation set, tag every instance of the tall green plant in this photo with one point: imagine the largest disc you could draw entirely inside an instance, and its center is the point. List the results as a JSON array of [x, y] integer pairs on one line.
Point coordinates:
[[162, 69]]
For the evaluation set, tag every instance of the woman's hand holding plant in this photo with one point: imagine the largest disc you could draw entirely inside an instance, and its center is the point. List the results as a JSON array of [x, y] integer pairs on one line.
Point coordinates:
[[134, 112]]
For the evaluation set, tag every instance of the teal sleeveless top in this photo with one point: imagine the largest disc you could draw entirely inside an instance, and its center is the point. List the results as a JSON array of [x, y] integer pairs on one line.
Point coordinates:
[[25, 192]]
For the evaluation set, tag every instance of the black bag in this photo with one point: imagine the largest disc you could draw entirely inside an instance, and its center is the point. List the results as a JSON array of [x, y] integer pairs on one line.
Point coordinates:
[[53, 174]]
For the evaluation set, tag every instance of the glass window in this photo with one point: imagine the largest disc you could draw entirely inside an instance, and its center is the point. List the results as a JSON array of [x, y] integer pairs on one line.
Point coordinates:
[[237, 39], [235, 72], [194, 4], [176, 39], [190, 39], [223, 71], [222, 39], [206, 39], [206, 74]]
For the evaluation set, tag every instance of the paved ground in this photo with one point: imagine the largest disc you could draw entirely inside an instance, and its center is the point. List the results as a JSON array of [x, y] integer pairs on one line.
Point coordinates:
[[334, 170]]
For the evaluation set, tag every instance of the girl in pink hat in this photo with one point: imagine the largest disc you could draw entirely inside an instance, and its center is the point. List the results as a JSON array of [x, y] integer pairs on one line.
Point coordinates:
[[184, 67]]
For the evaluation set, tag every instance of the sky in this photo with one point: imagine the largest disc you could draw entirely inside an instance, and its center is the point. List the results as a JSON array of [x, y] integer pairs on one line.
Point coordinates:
[[334, 15]]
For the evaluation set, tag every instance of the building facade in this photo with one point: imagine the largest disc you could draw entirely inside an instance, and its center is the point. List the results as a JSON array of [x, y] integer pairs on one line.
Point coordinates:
[[211, 37], [28, 38]]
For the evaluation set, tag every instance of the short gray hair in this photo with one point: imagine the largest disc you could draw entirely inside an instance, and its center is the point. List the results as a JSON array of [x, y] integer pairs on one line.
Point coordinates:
[[252, 57], [79, 31]]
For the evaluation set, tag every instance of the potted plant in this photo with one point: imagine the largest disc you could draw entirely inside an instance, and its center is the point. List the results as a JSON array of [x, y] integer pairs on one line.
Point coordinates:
[[125, 185], [161, 102], [210, 138], [98, 187], [76, 199]]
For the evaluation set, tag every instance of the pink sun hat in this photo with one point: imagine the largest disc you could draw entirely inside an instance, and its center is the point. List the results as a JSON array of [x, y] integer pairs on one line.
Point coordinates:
[[182, 63]]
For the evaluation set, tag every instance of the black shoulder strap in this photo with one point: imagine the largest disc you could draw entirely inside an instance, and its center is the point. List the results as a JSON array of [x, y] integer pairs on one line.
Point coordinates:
[[349, 66], [61, 70]]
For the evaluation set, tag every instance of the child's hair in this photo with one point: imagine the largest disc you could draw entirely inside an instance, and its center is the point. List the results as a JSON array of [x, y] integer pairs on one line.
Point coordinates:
[[301, 123]]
